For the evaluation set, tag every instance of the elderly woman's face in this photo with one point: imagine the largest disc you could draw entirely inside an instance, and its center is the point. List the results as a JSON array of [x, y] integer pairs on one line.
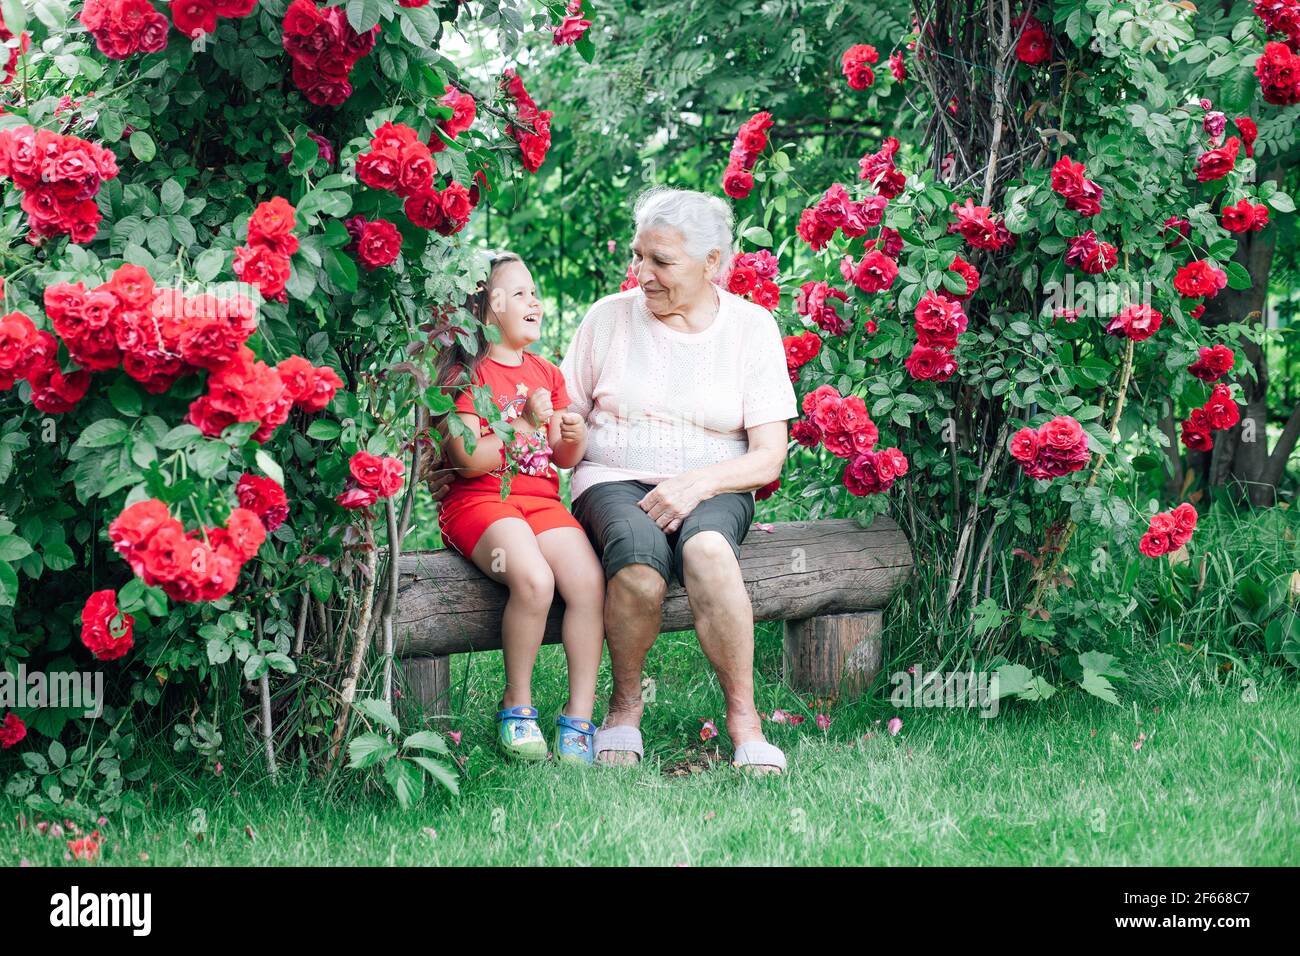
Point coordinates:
[[671, 280]]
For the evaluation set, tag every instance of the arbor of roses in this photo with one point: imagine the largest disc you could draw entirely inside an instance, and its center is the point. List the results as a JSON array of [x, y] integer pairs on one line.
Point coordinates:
[[229, 232]]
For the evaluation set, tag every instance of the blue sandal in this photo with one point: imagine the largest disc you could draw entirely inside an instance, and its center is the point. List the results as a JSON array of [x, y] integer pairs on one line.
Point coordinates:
[[519, 735], [573, 740]]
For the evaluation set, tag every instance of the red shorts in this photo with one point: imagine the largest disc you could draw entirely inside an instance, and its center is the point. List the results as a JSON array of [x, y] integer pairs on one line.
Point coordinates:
[[463, 518]]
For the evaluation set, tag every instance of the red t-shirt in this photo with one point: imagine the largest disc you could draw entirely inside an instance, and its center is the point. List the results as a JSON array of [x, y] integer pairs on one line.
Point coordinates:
[[511, 385]]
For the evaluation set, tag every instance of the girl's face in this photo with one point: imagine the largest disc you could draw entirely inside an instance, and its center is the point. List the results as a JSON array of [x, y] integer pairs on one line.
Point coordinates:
[[672, 281], [513, 305]]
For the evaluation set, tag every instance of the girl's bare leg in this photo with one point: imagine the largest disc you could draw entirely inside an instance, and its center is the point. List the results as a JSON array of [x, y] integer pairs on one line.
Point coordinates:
[[508, 552], [581, 582]]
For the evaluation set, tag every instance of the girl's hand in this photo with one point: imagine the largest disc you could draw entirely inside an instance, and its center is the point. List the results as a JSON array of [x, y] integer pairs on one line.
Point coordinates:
[[572, 427], [539, 408]]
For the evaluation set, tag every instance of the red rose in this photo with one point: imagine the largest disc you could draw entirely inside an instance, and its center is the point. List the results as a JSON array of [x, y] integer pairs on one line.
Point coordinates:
[[930, 364], [263, 497], [767, 294], [264, 268], [1214, 362], [737, 183], [1197, 439], [12, 730], [366, 469], [56, 393], [1024, 445], [379, 245], [271, 225], [1137, 322], [741, 280], [246, 532], [875, 273], [193, 17], [1249, 132], [806, 433], [938, 321], [854, 64], [978, 227], [1217, 163], [103, 633], [1221, 410], [1034, 46], [1199, 278], [1154, 545], [357, 498]]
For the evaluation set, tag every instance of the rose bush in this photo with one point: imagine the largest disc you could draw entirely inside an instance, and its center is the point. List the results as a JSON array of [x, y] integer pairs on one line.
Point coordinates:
[[206, 400]]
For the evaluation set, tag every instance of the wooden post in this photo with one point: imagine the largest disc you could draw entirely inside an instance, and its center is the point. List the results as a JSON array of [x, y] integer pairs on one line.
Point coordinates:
[[428, 686], [833, 653]]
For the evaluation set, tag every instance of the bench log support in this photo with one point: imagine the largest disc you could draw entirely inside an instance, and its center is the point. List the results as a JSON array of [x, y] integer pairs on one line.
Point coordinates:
[[428, 686], [833, 654]]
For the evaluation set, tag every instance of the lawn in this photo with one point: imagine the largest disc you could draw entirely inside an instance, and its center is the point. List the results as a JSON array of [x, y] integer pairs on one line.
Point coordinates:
[[1060, 782]]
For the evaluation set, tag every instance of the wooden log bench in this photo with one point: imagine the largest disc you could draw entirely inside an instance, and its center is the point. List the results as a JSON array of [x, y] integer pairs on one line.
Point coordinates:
[[827, 580]]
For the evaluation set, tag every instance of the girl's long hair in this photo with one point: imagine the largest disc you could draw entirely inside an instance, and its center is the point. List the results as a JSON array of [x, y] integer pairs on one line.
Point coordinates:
[[455, 363]]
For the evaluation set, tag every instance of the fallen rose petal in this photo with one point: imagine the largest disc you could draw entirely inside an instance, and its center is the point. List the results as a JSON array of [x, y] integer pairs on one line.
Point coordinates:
[[894, 726]]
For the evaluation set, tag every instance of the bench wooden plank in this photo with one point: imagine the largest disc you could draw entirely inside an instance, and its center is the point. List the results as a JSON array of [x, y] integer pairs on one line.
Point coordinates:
[[797, 570]]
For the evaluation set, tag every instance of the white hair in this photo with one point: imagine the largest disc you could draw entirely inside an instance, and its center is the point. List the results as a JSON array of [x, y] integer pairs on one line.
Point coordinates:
[[705, 221]]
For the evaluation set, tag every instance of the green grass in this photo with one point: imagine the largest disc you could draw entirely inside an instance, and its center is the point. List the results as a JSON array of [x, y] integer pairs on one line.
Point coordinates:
[[1041, 784]]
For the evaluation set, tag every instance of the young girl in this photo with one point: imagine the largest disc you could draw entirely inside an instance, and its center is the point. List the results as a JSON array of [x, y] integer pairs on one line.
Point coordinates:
[[529, 542]]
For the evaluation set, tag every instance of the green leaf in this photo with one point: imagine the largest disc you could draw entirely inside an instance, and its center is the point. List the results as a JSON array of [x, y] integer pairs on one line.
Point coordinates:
[[406, 780], [1238, 277], [142, 146], [440, 772], [758, 235], [427, 740], [340, 268], [209, 457], [103, 433], [13, 548], [281, 662], [181, 436], [8, 585], [124, 398], [172, 196], [209, 264], [366, 750], [269, 466], [1098, 686], [379, 712], [218, 651], [325, 429], [1282, 202]]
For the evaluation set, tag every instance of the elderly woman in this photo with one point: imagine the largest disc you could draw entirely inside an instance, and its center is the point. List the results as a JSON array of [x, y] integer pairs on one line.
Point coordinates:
[[686, 394]]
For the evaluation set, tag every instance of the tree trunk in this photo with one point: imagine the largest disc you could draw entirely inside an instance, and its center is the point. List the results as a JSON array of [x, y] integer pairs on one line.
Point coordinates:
[[1241, 458]]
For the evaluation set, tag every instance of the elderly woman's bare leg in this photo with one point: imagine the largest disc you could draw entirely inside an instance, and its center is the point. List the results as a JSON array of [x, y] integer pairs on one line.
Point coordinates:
[[724, 622], [634, 599]]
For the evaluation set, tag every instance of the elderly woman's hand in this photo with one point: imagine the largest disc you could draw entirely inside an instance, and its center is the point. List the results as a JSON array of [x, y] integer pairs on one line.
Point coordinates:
[[670, 501], [437, 475]]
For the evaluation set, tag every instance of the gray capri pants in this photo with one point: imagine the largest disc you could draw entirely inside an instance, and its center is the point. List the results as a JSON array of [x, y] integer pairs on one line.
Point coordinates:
[[623, 534]]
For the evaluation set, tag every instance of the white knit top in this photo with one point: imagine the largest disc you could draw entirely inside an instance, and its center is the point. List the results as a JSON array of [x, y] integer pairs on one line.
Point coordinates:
[[659, 402]]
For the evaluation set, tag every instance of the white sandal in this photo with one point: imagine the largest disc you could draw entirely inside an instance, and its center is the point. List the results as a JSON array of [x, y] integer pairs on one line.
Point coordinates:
[[620, 739], [759, 753]]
